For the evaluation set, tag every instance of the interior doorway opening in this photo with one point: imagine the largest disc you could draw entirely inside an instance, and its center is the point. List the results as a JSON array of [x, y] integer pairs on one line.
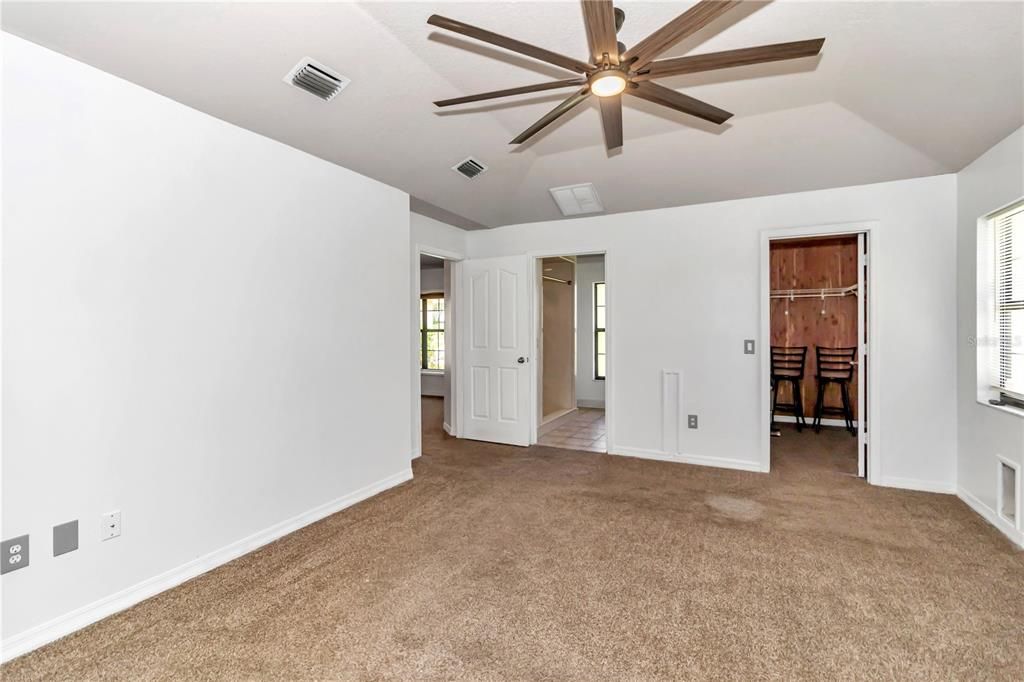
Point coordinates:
[[435, 348], [572, 352], [817, 356]]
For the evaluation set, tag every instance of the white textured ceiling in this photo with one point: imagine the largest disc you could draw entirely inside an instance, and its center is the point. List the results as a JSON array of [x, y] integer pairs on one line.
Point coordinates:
[[901, 89]]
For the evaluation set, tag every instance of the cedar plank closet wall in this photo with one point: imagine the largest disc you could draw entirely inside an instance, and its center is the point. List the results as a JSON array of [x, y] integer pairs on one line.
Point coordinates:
[[813, 264]]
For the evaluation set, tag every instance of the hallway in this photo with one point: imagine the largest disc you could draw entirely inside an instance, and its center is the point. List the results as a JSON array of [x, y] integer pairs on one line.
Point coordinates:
[[582, 429]]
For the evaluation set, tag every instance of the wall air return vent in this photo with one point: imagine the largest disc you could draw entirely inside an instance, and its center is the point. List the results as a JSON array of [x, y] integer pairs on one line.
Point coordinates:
[[469, 168], [577, 199], [316, 79], [1008, 494]]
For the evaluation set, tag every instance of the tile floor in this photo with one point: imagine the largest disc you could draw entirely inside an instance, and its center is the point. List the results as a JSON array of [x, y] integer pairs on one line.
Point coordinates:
[[580, 430]]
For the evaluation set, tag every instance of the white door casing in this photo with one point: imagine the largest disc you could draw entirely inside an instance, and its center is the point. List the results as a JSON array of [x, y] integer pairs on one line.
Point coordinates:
[[496, 375], [862, 356]]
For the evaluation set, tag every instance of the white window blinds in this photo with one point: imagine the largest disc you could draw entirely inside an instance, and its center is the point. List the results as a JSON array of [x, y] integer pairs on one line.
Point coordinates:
[[1008, 358]]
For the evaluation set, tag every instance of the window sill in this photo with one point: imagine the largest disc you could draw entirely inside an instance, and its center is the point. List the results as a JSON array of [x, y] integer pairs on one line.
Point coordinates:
[[1008, 409], [432, 372]]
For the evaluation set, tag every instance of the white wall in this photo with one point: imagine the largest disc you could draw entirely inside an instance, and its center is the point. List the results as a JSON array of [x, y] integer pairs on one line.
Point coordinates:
[[185, 338], [432, 280], [589, 391], [992, 181], [436, 237], [684, 291]]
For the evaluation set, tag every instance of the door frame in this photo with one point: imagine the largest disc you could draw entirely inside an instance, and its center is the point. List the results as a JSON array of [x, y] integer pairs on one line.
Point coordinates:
[[869, 228], [535, 311], [455, 259]]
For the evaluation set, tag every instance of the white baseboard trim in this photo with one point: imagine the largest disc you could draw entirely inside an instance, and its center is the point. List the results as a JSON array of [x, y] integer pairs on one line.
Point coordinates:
[[989, 514], [790, 419], [917, 484], [447, 428], [548, 418], [700, 460], [44, 633], [590, 403]]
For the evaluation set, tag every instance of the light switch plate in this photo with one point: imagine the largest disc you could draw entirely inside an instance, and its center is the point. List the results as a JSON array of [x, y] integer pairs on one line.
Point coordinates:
[[14, 554], [748, 346], [691, 421], [65, 538]]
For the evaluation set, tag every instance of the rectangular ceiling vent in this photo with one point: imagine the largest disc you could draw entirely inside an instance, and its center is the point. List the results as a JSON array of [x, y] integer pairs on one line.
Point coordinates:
[[577, 199], [316, 79], [469, 168]]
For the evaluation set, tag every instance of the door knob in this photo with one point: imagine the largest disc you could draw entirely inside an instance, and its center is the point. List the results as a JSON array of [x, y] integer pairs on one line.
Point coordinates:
[[521, 360]]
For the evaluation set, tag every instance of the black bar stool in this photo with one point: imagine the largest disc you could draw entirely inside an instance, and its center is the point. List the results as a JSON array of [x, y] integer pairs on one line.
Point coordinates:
[[788, 368], [835, 366]]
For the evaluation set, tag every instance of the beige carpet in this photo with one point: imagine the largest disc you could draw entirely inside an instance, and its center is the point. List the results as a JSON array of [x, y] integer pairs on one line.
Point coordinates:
[[545, 564]]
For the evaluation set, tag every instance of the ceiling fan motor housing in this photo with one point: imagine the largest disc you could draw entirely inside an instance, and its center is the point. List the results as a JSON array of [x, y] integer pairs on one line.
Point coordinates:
[[620, 19]]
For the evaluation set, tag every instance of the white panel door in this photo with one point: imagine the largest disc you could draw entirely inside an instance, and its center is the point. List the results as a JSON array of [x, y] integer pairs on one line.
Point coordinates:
[[494, 368]]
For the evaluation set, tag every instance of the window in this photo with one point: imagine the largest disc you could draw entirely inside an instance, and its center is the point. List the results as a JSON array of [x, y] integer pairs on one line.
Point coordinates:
[[432, 331], [1008, 358], [599, 331]]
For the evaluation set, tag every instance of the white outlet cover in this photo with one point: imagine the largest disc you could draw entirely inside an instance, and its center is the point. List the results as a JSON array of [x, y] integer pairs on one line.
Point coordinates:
[[110, 525]]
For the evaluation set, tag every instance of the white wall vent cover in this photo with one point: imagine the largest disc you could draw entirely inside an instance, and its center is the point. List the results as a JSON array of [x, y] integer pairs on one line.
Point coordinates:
[[577, 199], [316, 79], [469, 167]]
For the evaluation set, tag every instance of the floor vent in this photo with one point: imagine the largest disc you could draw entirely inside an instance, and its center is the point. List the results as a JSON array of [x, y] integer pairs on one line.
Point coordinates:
[[469, 168], [1009, 488], [316, 79]]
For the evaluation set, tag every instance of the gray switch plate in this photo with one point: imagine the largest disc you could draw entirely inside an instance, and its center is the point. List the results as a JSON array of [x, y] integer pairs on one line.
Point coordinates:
[[691, 421], [748, 346], [65, 538], [14, 554]]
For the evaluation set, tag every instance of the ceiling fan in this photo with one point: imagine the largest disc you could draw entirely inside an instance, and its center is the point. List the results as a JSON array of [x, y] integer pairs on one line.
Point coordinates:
[[614, 70]]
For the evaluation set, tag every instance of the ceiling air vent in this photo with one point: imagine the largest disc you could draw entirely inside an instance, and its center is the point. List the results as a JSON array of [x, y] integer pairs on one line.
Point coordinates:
[[577, 199], [469, 168], [316, 79]]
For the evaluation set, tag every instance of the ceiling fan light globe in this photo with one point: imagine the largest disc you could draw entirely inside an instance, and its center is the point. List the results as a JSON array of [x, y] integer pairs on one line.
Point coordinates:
[[607, 83]]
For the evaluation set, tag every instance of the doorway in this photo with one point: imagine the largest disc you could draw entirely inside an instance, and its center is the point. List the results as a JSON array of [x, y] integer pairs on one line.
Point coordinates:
[[435, 416], [816, 351], [571, 352]]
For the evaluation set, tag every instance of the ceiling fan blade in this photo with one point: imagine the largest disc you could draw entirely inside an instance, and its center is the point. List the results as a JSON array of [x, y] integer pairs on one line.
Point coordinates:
[[568, 82], [567, 104], [723, 60], [611, 118], [599, 18], [509, 44], [652, 92], [686, 24]]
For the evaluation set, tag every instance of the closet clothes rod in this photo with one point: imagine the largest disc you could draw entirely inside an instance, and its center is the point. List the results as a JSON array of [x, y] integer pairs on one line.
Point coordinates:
[[555, 279], [827, 292]]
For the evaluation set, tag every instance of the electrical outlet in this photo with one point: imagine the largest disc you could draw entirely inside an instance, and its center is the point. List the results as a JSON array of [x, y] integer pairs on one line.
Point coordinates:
[[14, 554], [111, 525], [691, 421]]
